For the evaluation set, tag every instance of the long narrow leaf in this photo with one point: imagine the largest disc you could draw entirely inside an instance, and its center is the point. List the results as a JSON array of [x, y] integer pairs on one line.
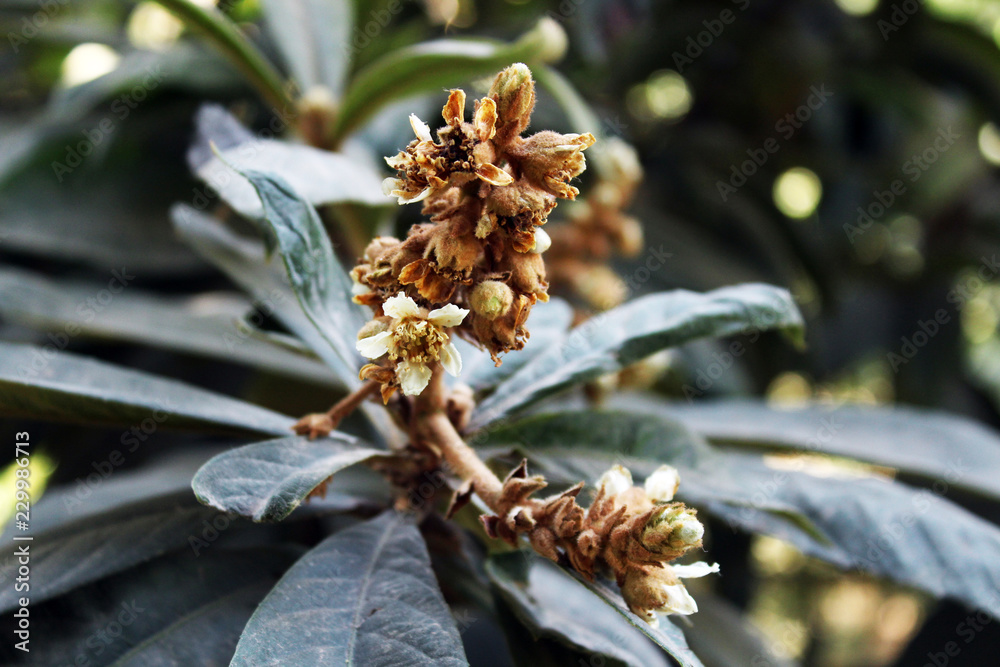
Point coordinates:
[[435, 65], [42, 383], [365, 596], [628, 333], [265, 481]]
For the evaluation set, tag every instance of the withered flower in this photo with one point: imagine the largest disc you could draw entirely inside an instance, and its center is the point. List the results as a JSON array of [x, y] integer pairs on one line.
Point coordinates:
[[463, 152]]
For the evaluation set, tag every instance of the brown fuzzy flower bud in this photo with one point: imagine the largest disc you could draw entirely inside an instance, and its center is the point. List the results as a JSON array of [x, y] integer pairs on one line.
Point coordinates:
[[454, 253], [506, 332], [317, 111], [628, 236], [491, 299], [513, 90], [601, 286], [518, 198], [551, 160], [375, 326], [656, 590], [379, 246], [527, 274]]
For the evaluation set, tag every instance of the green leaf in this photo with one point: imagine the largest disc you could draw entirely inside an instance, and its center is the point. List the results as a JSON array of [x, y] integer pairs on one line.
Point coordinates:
[[553, 604], [626, 334], [103, 213], [206, 634], [70, 111], [317, 176], [265, 481], [225, 36], [313, 37], [245, 262], [43, 383], [319, 281], [205, 324], [926, 443], [364, 596], [92, 548], [179, 609], [432, 66], [869, 523]]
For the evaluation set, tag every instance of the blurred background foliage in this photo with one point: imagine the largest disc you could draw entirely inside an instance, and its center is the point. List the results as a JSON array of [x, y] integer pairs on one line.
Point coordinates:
[[701, 89]]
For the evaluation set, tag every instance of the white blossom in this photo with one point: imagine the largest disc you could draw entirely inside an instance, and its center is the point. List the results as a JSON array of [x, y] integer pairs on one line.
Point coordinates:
[[416, 339]]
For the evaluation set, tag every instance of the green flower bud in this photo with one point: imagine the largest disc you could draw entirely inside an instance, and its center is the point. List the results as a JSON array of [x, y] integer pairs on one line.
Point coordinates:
[[491, 299], [514, 92], [674, 527]]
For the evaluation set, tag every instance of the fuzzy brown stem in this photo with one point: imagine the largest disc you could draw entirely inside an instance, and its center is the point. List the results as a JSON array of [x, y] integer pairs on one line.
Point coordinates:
[[322, 424], [432, 423], [350, 403]]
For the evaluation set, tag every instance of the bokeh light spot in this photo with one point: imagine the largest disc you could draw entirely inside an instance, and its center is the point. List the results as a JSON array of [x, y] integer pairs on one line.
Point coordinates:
[[87, 62], [797, 192]]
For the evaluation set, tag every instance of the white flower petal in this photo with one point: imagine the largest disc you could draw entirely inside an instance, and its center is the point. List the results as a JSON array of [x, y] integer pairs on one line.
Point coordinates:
[[449, 316], [420, 128], [615, 481], [651, 617], [451, 359], [699, 569], [401, 306], [412, 199], [375, 346], [662, 484], [542, 241], [679, 601], [413, 377], [357, 287], [390, 185]]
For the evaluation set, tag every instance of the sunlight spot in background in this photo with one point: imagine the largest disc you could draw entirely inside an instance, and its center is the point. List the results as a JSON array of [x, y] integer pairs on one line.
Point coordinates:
[[152, 27], [789, 389], [857, 7], [850, 606], [86, 62], [982, 14], [773, 556], [664, 96], [989, 143], [980, 317], [898, 617], [797, 192], [906, 236], [40, 466]]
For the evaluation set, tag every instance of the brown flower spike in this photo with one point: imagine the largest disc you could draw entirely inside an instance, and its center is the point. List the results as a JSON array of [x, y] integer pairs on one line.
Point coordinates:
[[630, 532], [487, 192], [475, 269]]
